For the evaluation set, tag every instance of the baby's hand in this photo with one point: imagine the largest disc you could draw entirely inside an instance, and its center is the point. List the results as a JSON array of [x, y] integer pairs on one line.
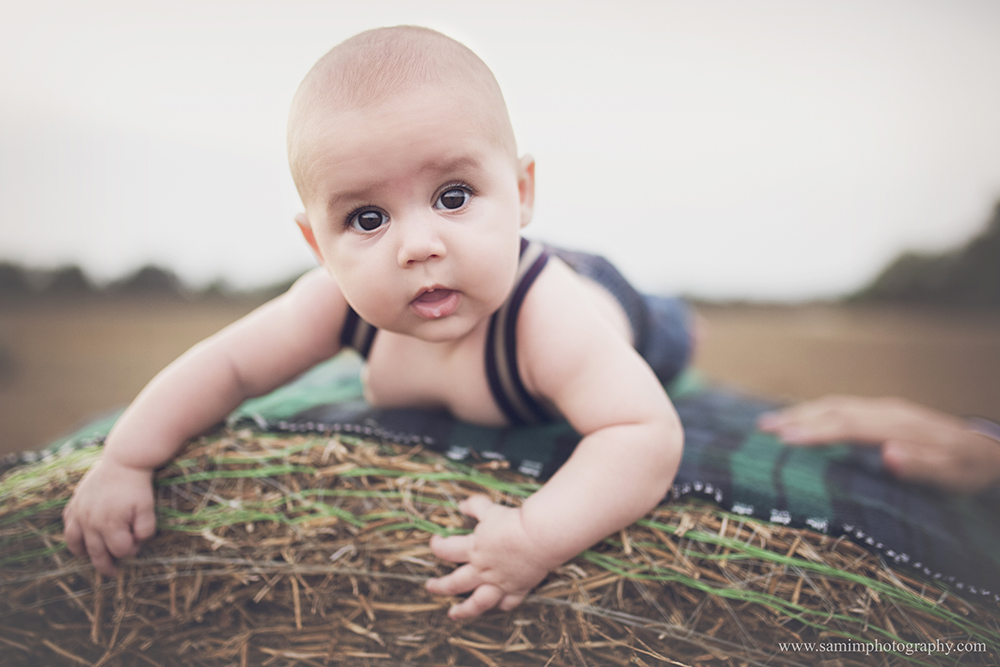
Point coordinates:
[[111, 514], [501, 563]]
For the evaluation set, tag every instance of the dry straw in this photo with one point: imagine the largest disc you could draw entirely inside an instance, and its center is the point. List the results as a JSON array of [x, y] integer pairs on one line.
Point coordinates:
[[277, 550]]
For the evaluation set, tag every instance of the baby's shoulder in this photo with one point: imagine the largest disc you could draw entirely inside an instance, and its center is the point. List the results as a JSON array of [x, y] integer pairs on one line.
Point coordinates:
[[317, 289], [561, 300], [573, 338], [314, 300], [567, 317], [557, 287]]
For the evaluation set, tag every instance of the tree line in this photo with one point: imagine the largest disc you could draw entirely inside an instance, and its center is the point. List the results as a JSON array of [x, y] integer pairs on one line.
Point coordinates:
[[966, 276]]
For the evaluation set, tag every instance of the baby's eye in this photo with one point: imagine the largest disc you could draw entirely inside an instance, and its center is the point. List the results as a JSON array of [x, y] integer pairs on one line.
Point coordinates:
[[453, 198], [368, 220]]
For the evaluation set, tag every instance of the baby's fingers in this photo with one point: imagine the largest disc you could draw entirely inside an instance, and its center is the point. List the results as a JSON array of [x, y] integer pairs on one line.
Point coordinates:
[[475, 506], [126, 534], [455, 548], [120, 543], [482, 600], [98, 553], [462, 580], [510, 601], [144, 524], [73, 533]]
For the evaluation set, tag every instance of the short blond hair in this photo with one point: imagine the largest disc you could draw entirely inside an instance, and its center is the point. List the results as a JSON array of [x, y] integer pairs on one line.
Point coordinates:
[[374, 65]]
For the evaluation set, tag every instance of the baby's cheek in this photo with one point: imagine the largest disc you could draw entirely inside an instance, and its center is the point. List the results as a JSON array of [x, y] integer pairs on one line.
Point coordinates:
[[491, 285], [373, 302]]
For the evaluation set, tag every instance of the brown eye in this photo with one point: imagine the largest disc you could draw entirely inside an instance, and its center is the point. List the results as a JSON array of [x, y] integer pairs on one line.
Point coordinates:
[[452, 199], [369, 220]]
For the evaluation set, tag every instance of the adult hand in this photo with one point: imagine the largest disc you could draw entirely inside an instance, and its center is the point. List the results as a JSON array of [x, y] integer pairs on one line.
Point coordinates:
[[918, 444]]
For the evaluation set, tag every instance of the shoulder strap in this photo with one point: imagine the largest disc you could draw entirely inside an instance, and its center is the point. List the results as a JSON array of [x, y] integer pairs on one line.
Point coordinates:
[[508, 390], [357, 333]]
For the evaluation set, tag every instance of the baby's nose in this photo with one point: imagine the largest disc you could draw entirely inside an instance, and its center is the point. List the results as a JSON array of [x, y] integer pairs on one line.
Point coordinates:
[[420, 241]]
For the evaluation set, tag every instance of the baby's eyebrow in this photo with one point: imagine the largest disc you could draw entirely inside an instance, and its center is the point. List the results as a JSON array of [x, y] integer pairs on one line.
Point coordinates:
[[348, 197], [460, 163], [468, 165]]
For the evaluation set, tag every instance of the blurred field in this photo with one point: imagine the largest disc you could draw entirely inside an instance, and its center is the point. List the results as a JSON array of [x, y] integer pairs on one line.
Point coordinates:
[[63, 362], [947, 359]]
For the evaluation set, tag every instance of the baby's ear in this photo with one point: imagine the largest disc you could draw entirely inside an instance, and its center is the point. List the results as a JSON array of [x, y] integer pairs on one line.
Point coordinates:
[[526, 187], [307, 232]]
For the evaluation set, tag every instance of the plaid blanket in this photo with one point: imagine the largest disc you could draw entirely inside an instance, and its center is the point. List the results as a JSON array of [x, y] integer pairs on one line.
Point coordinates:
[[840, 489]]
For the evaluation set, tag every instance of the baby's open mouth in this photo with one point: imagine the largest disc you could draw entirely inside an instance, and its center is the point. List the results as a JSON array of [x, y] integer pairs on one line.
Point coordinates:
[[434, 295], [435, 302]]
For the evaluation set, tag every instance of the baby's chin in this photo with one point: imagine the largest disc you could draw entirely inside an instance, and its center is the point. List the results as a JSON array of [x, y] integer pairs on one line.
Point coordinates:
[[443, 330]]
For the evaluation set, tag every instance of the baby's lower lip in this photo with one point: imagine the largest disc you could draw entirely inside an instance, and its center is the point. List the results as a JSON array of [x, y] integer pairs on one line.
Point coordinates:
[[435, 303]]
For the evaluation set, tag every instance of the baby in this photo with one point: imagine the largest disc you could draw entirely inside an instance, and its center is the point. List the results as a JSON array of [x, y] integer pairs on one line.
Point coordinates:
[[404, 157]]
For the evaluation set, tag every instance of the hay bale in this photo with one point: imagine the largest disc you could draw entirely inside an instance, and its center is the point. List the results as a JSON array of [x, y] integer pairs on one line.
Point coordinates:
[[311, 550]]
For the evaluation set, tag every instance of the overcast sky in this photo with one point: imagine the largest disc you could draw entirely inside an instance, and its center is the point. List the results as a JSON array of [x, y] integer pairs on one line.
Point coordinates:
[[783, 149]]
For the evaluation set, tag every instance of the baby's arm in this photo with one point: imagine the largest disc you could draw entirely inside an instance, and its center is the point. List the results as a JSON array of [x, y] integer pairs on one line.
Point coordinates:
[[621, 469], [111, 511]]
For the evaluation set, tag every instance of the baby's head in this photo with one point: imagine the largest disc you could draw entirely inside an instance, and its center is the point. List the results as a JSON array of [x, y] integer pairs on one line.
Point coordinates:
[[377, 66], [403, 154]]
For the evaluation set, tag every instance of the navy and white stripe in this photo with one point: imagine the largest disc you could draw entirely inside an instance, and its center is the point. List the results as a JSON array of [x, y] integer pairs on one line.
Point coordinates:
[[508, 390], [357, 333]]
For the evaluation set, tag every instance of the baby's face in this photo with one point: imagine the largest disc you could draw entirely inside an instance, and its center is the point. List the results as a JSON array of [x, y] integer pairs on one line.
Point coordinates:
[[416, 211]]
